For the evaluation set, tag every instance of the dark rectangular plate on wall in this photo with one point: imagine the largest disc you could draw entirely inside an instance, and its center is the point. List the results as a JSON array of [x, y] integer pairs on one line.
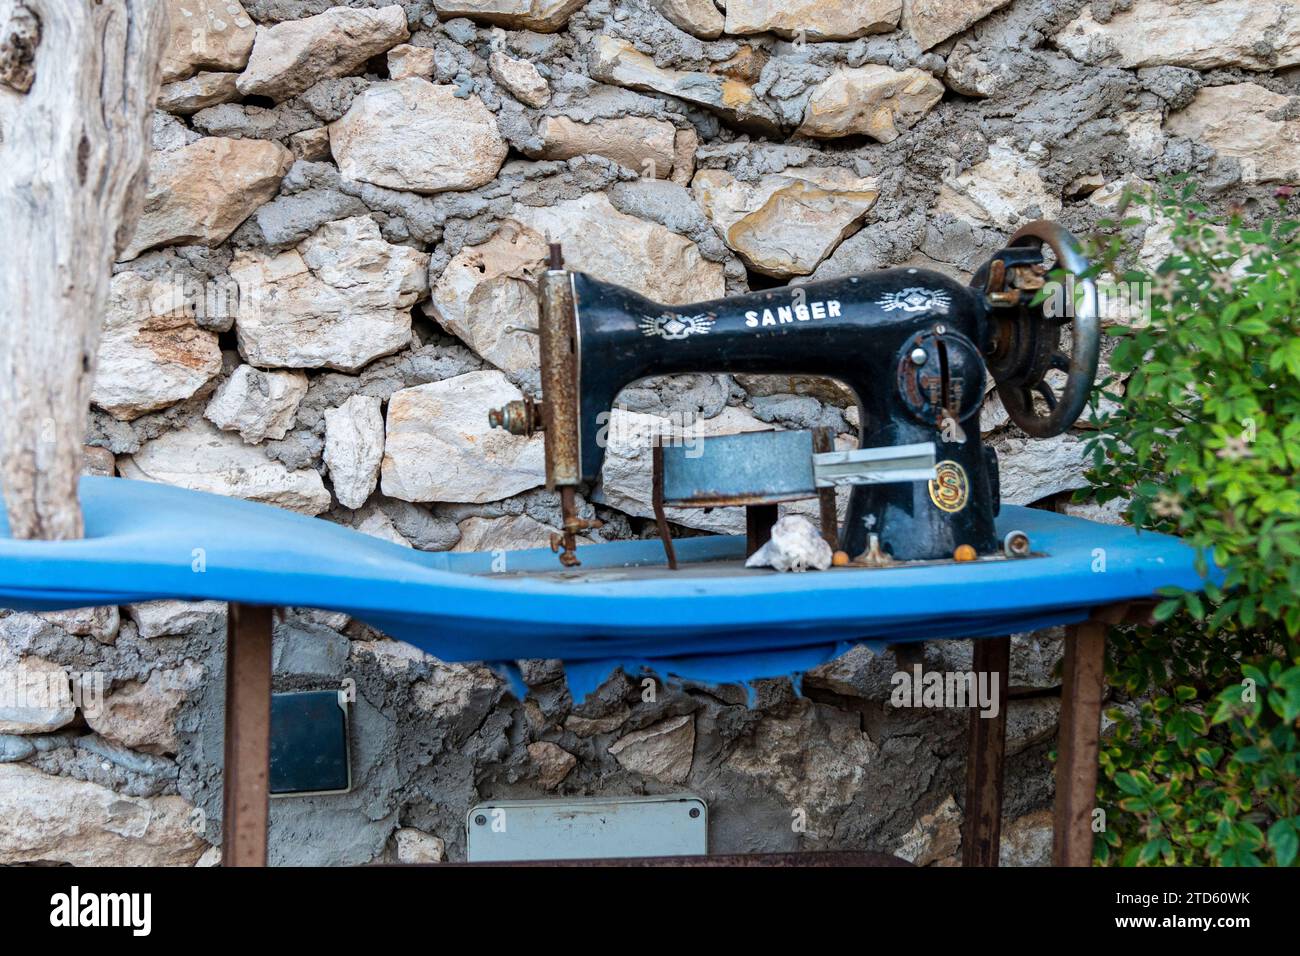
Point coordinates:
[[309, 743]]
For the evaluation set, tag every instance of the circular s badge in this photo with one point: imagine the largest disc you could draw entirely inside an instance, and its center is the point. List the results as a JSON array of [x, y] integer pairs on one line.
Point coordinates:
[[949, 488]]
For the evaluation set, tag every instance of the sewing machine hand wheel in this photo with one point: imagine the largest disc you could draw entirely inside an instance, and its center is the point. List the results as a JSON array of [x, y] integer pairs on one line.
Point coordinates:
[[1028, 341]]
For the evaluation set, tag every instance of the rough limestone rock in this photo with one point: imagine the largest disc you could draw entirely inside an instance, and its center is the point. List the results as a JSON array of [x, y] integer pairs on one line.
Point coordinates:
[[35, 697], [813, 19], [142, 714], [97, 461], [1253, 34], [257, 404], [662, 751], [452, 688], [198, 92], [1235, 120], [340, 299], [932, 21], [935, 838], [509, 533], [439, 446], [415, 846], [626, 479], [874, 100], [44, 818], [796, 545], [1033, 469], [646, 146], [686, 142], [553, 763], [615, 247], [619, 62], [1027, 840], [815, 757], [291, 56], [521, 78], [354, 448], [1004, 190], [784, 225], [199, 193], [591, 726], [202, 458], [540, 16], [205, 35], [312, 145], [487, 297], [406, 60], [101, 623], [151, 354], [697, 17], [973, 73], [176, 618], [417, 136]]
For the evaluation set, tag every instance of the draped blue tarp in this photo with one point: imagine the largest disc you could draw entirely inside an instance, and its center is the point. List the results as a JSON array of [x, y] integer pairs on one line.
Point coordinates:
[[147, 541]]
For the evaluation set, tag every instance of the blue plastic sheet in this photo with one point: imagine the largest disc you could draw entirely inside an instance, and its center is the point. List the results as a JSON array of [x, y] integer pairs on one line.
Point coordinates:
[[147, 541]]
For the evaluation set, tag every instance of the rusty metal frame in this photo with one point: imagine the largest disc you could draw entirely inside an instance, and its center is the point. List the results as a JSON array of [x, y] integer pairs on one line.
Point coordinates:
[[246, 797], [824, 441], [247, 771], [985, 760], [758, 526], [1083, 689], [657, 503], [818, 858]]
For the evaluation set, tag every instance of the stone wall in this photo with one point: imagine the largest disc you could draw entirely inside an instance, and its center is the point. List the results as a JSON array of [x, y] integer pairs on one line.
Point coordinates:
[[329, 287]]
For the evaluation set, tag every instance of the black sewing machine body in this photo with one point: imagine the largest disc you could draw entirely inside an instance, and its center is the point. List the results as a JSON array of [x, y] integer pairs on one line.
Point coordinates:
[[863, 331], [915, 347]]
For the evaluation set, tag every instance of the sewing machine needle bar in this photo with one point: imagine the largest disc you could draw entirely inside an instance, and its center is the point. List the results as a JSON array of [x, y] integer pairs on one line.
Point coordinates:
[[874, 466]]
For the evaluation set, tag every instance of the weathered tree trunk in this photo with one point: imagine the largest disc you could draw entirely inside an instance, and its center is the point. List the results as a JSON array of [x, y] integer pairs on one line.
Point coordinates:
[[78, 79]]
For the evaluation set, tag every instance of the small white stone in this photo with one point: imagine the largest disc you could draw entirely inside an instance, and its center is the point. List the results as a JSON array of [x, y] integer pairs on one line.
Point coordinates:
[[340, 299], [440, 447], [35, 697], [176, 618], [795, 545], [61, 819], [290, 56], [406, 60], [202, 458], [256, 404], [521, 78], [416, 846], [354, 448], [419, 137], [151, 353]]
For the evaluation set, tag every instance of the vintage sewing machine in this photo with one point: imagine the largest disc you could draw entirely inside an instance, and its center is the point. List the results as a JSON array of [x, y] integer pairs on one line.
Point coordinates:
[[914, 346]]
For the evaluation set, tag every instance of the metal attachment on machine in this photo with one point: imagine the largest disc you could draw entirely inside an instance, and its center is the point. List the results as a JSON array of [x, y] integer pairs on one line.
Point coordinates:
[[1015, 544], [874, 556], [520, 417], [1025, 344]]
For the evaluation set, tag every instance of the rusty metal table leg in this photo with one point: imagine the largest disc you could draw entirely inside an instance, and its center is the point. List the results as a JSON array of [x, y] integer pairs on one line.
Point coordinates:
[[248, 735], [985, 752], [1080, 733], [758, 526]]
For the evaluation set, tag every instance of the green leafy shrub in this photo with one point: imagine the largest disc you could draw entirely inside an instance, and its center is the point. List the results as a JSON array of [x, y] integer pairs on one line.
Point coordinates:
[[1203, 766]]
